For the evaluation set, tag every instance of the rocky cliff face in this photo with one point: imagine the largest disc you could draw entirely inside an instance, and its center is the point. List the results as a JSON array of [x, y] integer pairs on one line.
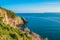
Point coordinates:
[[9, 27], [10, 19]]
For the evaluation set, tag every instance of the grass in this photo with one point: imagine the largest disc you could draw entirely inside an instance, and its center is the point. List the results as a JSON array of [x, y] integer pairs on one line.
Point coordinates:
[[9, 33]]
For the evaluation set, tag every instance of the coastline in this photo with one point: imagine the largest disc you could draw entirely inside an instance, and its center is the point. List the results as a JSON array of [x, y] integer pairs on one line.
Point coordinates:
[[12, 21]]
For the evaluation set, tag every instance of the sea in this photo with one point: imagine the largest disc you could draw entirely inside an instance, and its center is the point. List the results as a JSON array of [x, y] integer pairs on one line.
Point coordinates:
[[44, 24]]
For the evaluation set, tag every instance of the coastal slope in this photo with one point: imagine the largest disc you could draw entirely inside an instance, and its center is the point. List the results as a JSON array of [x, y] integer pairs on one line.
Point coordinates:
[[10, 27]]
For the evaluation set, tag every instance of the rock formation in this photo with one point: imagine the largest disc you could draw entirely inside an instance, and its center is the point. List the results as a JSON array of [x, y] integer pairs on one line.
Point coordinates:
[[9, 27], [13, 20]]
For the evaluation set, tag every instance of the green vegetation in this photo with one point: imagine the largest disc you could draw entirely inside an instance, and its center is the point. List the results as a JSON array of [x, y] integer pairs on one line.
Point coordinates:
[[9, 33], [10, 13], [8, 17], [46, 38]]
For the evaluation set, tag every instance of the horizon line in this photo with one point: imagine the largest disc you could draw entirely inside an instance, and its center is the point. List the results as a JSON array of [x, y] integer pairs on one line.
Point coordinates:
[[37, 12]]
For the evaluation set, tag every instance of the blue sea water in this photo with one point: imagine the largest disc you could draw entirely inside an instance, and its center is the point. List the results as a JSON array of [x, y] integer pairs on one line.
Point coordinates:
[[44, 24]]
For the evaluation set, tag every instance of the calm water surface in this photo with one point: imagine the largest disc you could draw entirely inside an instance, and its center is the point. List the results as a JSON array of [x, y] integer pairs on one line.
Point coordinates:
[[46, 24]]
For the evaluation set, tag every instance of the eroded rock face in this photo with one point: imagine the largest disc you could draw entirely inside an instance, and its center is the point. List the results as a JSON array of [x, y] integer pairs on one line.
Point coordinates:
[[26, 30], [4, 15], [32, 34], [17, 22], [14, 22], [35, 36]]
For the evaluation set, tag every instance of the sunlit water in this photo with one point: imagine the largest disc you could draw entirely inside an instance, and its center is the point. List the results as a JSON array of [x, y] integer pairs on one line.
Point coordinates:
[[46, 25]]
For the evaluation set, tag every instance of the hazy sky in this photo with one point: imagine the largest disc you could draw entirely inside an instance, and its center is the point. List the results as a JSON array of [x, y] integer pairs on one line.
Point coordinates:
[[24, 6]]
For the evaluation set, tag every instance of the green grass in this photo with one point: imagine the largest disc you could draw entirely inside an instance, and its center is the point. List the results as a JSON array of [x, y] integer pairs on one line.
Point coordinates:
[[9, 33], [10, 13]]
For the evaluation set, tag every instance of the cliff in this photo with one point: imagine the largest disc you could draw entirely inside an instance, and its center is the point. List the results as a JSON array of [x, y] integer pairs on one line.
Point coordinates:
[[9, 27]]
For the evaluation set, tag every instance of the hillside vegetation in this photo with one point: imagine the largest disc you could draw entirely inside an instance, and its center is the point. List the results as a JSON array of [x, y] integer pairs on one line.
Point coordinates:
[[9, 33], [10, 27]]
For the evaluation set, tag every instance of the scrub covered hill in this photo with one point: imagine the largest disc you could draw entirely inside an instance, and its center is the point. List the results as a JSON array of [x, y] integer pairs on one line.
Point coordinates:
[[10, 27]]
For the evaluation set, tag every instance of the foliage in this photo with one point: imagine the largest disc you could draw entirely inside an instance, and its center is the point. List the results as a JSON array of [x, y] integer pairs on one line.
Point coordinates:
[[9, 33], [9, 13], [46, 38]]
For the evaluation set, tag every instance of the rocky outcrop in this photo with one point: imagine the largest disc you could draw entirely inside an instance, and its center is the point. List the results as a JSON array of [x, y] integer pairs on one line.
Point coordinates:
[[32, 34], [26, 30], [10, 26], [13, 21], [35, 36]]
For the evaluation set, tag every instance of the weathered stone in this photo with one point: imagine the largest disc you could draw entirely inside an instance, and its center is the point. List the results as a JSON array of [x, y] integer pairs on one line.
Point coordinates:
[[17, 22], [26, 30], [35, 36], [11, 21]]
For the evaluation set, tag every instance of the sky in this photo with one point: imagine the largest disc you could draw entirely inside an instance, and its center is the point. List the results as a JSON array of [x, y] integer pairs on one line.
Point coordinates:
[[31, 6]]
